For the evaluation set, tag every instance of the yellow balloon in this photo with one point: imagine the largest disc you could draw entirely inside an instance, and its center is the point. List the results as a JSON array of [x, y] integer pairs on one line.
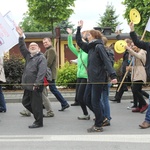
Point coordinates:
[[120, 46], [135, 16]]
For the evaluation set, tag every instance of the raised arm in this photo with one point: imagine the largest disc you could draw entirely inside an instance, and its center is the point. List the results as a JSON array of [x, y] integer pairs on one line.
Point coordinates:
[[139, 43], [23, 49], [81, 44], [139, 55], [70, 43]]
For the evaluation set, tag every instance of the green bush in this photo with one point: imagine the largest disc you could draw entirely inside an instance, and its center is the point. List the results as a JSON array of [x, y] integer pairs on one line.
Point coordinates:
[[13, 71], [67, 75]]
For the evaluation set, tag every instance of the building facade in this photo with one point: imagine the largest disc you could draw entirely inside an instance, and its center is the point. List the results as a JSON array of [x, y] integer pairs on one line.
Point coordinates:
[[61, 45]]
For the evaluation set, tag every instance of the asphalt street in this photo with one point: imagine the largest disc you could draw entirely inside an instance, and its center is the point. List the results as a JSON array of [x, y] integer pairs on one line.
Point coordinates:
[[65, 132]]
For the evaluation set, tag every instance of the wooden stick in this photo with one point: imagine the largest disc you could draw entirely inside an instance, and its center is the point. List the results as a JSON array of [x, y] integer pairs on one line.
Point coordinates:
[[124, 77], [143, 35]]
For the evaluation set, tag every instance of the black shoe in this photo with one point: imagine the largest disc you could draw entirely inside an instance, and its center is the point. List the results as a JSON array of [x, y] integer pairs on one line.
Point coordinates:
[[75, 104], [114, 100], [1, 111], [64, 107], [133, 106], [35, 126], [125, 89]]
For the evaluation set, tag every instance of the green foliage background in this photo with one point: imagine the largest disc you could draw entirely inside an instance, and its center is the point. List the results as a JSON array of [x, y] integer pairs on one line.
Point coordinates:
[[109, 18], [49, 12], [13, 72], [143, 6], [67, 75]]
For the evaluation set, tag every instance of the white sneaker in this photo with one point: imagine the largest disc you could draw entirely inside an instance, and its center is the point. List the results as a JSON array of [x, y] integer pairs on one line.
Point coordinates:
[[25, 113], [49, 114], [84, 117]]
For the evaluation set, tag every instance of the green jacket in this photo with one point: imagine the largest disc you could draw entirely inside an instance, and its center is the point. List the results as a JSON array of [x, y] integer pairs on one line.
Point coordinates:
[[82, 59]]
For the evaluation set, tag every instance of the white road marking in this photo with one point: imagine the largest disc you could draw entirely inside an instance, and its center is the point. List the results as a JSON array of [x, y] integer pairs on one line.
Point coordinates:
[[82, 138]]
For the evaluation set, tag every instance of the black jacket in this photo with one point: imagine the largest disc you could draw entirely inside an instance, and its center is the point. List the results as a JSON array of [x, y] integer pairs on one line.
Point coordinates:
[[35, 67], [97, 59], [125, 62], [143, 45]]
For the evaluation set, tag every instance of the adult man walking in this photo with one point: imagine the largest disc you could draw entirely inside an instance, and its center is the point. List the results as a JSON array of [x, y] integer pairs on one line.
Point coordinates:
[[51, 57], [32, 79]]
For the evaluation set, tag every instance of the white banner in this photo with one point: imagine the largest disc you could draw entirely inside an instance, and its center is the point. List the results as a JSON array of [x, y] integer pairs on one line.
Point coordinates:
[[7, 37], [10, 21], [148, 26]]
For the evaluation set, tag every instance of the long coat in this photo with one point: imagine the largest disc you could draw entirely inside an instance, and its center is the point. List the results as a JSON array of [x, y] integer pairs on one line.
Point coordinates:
[[2, 73], [139, 72]]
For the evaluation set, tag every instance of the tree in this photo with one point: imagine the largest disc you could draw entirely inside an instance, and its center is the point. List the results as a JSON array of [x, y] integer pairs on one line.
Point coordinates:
[[143, 7], [49, 12], [109, 19], [64, 25], [30, 25]]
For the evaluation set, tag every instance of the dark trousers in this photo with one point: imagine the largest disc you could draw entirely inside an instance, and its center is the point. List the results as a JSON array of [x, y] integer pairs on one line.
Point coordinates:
[[32, 100], [80, 90], [123, 88], [92, 99], [75, 99], [54, 90], [137, 93], [145, 94]]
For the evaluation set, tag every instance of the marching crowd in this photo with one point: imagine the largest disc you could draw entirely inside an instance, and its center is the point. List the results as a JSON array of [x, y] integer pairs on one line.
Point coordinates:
[[95, 75]]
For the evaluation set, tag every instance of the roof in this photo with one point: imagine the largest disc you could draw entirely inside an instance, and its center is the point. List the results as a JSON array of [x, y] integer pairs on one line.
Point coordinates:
[[39, 35]]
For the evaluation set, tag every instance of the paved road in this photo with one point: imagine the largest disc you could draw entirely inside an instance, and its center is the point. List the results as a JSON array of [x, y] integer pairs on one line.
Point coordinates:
[[65, 132]]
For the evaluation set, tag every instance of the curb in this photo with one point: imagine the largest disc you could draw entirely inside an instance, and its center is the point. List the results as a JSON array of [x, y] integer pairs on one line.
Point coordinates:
[[16, 97]]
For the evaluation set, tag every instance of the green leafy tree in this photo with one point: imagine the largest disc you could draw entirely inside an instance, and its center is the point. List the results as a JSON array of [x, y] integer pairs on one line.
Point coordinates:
[[49, 12], [64, 25], [109, 19], [143, 7], [30, 25]]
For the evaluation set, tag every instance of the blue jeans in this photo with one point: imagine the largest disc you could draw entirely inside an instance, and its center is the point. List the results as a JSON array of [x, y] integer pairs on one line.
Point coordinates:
[[2, 101], [54, 90], [92, 97], [105, 101], [147, 116]]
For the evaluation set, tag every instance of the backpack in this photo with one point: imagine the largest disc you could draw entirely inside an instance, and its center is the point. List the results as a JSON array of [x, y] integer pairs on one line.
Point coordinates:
[[111, 55]]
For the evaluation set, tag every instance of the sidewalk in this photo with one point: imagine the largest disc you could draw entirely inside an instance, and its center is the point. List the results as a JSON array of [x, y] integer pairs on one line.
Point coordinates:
[[68, 94]]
